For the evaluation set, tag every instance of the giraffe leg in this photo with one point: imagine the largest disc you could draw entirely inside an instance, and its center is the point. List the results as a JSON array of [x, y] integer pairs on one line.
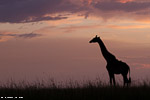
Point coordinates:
[[114, 82], [124, 83], [125, 79], [129, 83], [110, 77]]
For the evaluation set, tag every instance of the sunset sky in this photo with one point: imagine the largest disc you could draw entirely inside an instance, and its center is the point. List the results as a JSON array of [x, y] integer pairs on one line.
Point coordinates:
[[50, 38]]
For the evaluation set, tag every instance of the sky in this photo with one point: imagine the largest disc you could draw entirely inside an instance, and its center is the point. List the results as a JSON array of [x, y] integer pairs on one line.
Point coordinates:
[[50, 38]]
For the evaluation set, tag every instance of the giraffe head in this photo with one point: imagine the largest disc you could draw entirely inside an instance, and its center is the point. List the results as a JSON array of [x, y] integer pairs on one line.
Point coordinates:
[[95, 39]]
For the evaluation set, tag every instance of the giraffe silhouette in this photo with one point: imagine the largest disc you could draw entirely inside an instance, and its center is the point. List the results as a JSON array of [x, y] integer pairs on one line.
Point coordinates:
[[114, 66]]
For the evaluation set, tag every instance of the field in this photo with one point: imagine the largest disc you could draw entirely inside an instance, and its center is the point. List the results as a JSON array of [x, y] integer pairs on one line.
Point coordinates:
[[89, 90]]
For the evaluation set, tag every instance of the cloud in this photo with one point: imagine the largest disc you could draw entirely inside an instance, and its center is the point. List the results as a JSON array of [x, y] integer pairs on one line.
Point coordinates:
[[119, 6], [23, 11], [136, 58], [75, 27], [119, 9], [141, 65], [18, 11], [26, 35], [128, 26], [44, 19]]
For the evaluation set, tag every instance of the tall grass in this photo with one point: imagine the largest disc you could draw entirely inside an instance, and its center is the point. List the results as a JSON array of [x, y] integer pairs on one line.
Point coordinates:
[[74, 90]]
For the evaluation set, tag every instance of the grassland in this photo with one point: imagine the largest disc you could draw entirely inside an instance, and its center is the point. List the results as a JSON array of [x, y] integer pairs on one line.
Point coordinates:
[[88, 90]]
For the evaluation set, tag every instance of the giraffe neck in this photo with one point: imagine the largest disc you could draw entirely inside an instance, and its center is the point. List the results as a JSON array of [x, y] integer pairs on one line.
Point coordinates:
[[106, 54]]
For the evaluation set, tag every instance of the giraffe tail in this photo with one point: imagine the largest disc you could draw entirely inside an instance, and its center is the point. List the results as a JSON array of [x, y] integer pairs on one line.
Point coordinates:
[[129, 81]]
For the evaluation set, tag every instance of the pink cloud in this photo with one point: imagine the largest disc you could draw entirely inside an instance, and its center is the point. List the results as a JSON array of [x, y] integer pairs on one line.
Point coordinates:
[[141, 65], [7, 35]]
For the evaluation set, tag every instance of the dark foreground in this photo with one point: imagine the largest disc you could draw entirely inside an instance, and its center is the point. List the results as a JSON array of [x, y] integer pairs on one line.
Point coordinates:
[[87, 92]]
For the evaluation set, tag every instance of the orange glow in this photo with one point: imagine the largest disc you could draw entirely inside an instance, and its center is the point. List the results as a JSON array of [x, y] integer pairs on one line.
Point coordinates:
[[125, 1], [142, 66], [90, 1], [144, 20], [128, 27], [5, 38]]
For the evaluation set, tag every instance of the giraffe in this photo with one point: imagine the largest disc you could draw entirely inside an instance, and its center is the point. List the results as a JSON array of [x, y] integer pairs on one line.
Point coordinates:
[[114, 66]]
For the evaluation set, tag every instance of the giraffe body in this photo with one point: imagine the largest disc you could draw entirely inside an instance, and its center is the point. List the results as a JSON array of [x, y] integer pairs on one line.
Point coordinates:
[[114, 66]]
